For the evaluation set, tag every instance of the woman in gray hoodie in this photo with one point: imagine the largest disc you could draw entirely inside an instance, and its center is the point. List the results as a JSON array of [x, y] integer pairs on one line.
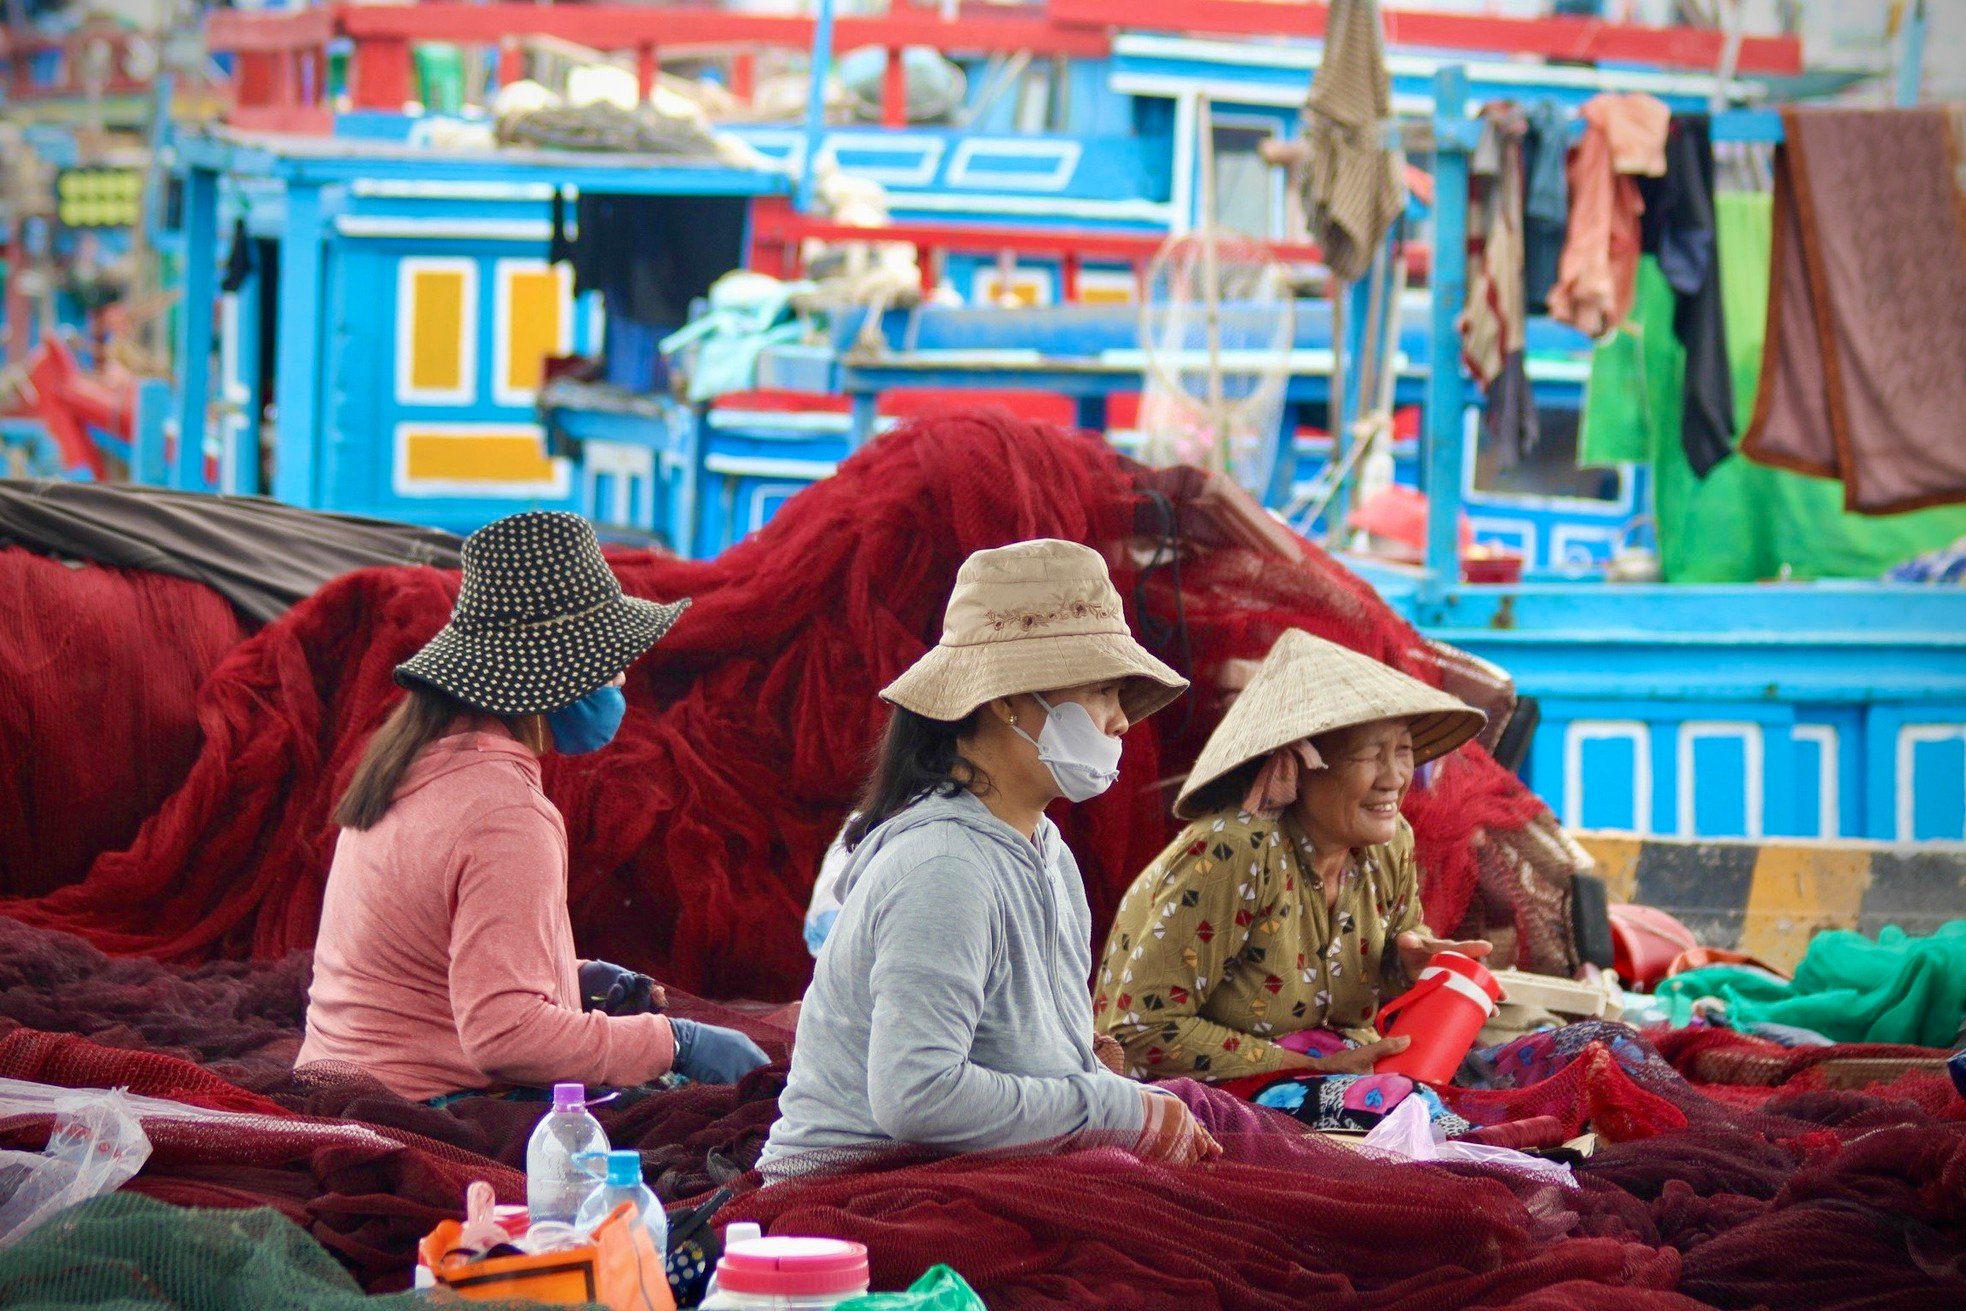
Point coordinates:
[[949, 1007]]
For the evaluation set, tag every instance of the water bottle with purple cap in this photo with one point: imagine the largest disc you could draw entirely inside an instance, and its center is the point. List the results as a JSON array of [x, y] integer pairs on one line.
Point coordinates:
[[561, 1155]]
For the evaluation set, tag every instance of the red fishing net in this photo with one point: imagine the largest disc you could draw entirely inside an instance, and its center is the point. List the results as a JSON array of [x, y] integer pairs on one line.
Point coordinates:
[[694, 841], [1820, 1198], [696, 836], [99, 673]]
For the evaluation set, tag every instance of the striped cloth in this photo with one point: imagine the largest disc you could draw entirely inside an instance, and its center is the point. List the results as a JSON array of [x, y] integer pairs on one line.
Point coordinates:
[[1353, 188]]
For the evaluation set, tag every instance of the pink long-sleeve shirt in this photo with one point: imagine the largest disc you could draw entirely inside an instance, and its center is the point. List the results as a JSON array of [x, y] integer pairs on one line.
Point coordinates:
[[445, 960]]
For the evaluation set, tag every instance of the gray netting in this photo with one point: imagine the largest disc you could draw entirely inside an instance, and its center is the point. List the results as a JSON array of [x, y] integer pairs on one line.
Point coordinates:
[[126, 1252]]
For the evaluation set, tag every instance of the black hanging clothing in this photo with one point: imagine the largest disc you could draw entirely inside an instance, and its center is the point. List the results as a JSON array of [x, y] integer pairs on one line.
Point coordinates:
[[238, 260], [1678, 227], [650, 256], [1546, 200], [559, 247]]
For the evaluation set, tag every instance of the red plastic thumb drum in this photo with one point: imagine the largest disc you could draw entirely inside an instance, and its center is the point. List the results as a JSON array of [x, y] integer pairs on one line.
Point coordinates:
[[1442, 1014]]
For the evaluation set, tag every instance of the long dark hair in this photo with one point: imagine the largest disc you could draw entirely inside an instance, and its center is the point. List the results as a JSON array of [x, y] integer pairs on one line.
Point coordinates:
[[418, 720], [916, 757]]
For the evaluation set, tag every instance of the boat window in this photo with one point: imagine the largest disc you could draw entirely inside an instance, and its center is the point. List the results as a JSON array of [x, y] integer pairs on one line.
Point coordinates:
[[1549, 470], [1248, 192]]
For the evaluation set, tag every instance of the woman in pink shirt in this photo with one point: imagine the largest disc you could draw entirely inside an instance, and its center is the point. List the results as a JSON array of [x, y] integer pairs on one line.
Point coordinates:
[[445, 961]]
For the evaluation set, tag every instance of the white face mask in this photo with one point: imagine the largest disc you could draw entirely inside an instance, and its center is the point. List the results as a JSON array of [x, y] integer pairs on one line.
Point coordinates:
[[1083, 761]]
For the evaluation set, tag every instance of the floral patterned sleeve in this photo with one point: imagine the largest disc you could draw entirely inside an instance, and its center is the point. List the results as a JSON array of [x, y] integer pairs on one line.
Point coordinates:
[[1179, 932]]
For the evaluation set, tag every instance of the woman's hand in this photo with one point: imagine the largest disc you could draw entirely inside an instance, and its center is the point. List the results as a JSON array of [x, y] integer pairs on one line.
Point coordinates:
[[1360, 1060], [1353, 1060], [706, 1053], [1171, 1133], [1107, 1051], [614, 990], [1415, 950]]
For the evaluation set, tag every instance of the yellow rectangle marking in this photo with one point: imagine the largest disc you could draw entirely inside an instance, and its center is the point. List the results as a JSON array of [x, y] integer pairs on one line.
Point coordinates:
[[1798, 891], [533, 326], [437, 330], [475, 458], [1617, 862]]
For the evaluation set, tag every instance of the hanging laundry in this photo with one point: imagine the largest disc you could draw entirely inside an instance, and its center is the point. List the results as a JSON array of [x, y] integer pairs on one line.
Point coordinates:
[[651, 256], [1493, 323], [745, 314], [239, 262], [1678, 227], [1745, 521], [1353, 185], [1866, 376], [1546, 203], [1624, 139]]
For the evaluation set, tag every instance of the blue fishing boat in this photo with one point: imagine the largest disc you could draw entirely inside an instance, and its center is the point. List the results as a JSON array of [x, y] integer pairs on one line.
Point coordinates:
[[390, 325]]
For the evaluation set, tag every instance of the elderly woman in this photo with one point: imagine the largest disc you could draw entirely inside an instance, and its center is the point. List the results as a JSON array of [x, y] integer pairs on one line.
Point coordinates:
[[948, 1009], [1262, 941]]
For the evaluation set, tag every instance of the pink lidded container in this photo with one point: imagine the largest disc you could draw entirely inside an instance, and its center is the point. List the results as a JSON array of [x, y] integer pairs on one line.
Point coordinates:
[[788, 1274]]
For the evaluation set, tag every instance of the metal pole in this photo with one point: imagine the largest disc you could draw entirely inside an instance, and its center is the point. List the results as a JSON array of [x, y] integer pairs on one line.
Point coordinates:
[[194, 361], [1446, 430], [822, 72], [1911, 56], [143, 238], [1211, 300]]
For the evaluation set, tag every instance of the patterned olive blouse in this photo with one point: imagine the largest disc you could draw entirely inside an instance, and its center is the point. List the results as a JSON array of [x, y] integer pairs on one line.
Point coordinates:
[[1225, 943]]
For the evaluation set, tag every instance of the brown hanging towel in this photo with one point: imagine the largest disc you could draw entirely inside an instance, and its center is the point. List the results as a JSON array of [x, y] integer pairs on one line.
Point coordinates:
[[1865, 370]]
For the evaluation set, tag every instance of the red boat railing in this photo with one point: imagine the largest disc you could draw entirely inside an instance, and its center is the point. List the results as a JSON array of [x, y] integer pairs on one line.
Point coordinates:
[[1586, 40], [276, 51], [21, 51], [282, 58]]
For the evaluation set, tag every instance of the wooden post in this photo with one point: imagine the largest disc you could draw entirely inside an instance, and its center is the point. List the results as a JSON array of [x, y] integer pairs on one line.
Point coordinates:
[[648, 68], [194, 361], [511, 62], [297, 380], [1446, 418], [744, 74], [894, 90], [381, 75]]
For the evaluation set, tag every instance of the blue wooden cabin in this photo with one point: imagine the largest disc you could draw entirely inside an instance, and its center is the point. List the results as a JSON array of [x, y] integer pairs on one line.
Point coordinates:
[[398, 305], [405, 387]]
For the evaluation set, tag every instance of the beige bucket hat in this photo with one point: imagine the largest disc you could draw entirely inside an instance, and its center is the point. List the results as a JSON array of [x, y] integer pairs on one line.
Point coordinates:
[[1307, 686], [1032, 617]]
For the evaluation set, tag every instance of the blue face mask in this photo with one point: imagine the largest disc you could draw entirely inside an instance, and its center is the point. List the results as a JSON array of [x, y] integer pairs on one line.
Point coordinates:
[[589, 723]]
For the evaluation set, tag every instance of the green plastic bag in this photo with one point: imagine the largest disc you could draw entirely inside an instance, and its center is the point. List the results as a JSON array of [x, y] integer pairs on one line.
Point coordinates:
[[941, 1289]]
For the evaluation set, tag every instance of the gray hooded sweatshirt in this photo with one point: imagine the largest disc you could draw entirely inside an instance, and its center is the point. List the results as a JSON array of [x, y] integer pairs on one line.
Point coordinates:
[[950, 1006]]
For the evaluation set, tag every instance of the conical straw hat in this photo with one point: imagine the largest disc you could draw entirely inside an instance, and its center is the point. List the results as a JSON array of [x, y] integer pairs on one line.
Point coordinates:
[[1307, 686]]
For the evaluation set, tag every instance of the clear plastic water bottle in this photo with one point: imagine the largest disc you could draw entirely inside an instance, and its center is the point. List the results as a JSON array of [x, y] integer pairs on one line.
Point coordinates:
[[624, 1184], [557, 1181]]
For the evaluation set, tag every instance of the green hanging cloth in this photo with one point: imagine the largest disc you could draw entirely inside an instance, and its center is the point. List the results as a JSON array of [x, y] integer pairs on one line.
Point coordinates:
[[1744, 522], [1898, 989]]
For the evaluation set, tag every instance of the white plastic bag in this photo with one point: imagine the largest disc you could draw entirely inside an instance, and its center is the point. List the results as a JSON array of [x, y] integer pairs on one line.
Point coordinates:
[[96, 1147], [1408, 1132]]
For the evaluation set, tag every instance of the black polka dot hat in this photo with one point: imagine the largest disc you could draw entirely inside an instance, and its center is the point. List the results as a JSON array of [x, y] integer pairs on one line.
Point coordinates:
[[540, 621]]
